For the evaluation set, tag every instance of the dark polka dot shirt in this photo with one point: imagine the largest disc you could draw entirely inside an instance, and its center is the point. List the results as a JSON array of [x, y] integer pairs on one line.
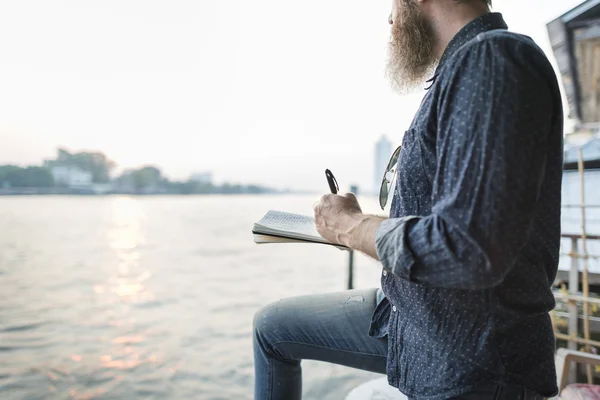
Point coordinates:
[[471, 247]]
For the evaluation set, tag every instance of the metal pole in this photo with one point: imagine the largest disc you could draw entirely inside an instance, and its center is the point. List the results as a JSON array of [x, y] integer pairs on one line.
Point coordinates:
[[573, 290], [353, 189], [351, 270], [573, 312], [586, 284]]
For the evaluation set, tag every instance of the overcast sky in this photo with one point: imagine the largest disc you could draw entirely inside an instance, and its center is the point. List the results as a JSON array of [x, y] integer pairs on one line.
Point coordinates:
[[258, 91]]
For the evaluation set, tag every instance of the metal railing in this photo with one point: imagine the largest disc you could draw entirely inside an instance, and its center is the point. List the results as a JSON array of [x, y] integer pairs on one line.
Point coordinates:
[[572, 298]]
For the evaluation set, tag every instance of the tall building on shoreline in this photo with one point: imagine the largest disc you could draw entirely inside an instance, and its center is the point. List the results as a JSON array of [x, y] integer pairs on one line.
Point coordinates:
[[383, 152]]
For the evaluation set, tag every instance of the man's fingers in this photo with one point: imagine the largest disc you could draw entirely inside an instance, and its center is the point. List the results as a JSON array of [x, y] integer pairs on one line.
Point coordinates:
[[334, 200], [323, 200], [351, 198]]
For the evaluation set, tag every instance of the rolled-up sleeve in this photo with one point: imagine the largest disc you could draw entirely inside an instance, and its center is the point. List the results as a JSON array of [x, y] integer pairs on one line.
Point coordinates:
[[494, 116]]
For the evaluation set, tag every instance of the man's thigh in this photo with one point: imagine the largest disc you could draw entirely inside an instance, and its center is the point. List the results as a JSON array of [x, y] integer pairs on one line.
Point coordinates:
[[327, 327]]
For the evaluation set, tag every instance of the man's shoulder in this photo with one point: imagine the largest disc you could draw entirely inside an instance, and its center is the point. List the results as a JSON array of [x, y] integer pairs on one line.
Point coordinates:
[[497, 46], [503, 37]]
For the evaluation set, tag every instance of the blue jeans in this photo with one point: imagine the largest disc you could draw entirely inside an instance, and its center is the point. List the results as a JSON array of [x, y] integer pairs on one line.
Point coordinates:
[[332, 328]]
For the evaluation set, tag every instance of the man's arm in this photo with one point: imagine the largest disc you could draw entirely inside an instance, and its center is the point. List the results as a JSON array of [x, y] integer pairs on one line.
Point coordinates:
[[493, 123], [339, 219]]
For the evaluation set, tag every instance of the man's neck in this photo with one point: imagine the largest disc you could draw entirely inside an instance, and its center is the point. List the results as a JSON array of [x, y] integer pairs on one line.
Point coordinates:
[[448, 18]]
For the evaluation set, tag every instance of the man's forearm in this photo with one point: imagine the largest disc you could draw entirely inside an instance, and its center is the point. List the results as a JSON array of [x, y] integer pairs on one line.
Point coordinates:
[[361, 235], [339, 219]]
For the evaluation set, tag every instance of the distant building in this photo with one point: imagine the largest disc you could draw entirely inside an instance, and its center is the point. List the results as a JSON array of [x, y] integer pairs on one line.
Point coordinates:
[[202, 177], [71, 176], [383, 152]]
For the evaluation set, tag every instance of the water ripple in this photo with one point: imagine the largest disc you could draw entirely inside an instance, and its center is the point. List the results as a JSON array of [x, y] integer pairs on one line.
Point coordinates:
[[19, 328]]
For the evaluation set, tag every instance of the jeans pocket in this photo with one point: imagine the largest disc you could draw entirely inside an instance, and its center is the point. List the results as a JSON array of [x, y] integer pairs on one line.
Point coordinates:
[[483, 394], [498, 394]]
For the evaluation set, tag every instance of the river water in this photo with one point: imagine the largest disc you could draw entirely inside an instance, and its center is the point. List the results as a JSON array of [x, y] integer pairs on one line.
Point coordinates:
[[151, 297]]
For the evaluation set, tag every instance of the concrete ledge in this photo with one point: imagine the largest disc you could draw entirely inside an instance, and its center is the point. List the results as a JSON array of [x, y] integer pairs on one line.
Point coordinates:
[[377, 389]]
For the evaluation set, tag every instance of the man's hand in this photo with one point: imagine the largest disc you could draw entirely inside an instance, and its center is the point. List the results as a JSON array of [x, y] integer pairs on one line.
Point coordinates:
[[336, 216], [340, 220]]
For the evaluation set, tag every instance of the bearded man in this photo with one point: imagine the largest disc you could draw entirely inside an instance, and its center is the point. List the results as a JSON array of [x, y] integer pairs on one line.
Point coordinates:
[[470, 249]]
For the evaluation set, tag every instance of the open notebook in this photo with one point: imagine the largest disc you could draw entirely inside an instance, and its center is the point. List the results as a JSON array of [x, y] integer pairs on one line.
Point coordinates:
[[282, 227]]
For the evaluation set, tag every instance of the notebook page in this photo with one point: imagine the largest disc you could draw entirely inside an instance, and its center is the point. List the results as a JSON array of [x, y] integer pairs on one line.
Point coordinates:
[[282, 222]]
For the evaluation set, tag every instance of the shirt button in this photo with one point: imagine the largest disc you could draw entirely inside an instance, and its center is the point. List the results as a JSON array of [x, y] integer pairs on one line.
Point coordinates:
[[394, 308], [384, 272]]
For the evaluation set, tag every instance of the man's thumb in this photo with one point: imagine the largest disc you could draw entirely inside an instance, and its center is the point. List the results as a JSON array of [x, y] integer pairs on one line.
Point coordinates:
[[350, 195]]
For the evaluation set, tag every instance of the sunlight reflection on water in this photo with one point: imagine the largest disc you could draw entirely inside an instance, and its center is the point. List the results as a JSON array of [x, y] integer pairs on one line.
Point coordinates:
[[123, 298], [124, 238]]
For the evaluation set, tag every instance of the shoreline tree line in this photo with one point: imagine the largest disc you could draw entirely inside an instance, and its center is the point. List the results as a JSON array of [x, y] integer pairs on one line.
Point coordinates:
[[147, 179]]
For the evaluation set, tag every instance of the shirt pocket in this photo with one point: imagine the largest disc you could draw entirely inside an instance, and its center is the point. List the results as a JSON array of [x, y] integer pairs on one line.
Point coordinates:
[[411, 175]]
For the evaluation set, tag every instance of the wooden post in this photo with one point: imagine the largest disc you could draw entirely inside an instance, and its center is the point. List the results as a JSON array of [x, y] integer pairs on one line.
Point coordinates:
[[351, 270], [586, 285], [353, 189], [573, 290], [573, 311]]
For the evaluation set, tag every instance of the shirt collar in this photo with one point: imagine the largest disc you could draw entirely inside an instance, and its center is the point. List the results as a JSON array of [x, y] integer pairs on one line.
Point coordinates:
[[486, 22]]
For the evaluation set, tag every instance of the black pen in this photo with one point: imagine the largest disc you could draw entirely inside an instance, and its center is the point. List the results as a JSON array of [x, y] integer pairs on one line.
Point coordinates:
[[333, 185]]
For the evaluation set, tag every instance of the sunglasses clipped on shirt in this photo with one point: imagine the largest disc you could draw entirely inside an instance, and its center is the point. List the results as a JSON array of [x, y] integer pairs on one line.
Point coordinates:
[[388, 178]]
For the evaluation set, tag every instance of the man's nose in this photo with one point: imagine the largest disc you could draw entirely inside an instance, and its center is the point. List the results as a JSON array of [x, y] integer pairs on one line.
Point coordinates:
[[390, 20]]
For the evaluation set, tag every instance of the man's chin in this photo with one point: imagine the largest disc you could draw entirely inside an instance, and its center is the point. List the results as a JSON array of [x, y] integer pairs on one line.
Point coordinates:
[[407, 83], [406, 88]]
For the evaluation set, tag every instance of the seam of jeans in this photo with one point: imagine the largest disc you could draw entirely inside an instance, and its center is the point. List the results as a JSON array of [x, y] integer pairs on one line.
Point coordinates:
[[328, 348], [270, 390]]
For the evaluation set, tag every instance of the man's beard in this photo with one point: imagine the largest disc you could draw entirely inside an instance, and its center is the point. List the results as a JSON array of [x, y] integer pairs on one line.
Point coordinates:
[[411, 56]]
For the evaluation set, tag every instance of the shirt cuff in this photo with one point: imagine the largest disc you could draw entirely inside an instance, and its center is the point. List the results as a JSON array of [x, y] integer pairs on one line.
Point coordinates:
[[392, 247]]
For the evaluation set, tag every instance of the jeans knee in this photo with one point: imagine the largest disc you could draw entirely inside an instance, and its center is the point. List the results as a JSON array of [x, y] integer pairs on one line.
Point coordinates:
[[264, 321]]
